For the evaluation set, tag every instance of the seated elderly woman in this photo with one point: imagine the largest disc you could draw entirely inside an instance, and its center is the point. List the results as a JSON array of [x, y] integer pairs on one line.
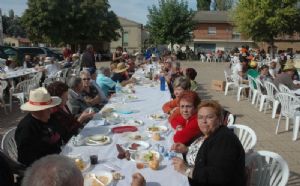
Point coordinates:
[[121, 75], [174, 73], [37, 134], [62, 114], [264, 74], [215, 158], [185, 123], [90, 94], [171, 107], [191, 73]]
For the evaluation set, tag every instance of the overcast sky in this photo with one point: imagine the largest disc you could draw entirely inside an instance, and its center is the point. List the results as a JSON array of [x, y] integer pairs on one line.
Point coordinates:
[[135, 10]]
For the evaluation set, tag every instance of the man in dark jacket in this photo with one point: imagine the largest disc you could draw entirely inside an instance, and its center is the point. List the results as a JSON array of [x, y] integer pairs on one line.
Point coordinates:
[[88, 58]]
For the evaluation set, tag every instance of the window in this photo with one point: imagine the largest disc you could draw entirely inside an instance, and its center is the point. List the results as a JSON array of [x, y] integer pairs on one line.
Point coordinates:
[[125, 39], [212, 30], [236, 36]]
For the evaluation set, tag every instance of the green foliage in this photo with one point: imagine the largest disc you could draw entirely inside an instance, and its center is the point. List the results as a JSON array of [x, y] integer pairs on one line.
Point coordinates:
[[203, 4], [170, 22], [263, 20], [224, 4], [70, 21], [12, 25]]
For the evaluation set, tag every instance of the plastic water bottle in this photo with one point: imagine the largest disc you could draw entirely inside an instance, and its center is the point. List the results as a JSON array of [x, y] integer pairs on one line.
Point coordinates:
[[24, 64], [162, 83], [118, 88]]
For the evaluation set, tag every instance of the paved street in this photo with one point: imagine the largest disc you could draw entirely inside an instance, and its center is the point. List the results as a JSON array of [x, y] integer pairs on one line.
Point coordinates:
[[246, 113]]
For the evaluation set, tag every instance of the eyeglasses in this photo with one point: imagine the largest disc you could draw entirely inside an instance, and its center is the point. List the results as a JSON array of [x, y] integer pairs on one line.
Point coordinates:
[[86, 79], [208, 117]]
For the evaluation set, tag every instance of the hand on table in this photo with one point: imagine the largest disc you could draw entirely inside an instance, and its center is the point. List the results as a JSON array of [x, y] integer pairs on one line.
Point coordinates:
[[179, 165], [85, 115], [179, 148], [138, 180]]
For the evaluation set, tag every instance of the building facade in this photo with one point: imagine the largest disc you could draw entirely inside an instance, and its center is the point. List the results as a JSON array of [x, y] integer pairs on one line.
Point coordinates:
[[16, 42], [215, 31], [133, 36]]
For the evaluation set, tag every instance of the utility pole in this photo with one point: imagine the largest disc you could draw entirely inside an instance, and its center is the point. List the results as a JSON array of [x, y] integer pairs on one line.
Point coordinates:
[[1, 29]]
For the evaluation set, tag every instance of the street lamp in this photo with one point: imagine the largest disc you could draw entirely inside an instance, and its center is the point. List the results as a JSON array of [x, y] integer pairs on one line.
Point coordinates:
[[122, 37]]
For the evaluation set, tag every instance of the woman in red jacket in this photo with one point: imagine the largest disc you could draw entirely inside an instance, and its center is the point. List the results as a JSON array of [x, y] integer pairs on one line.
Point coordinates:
[[185, 123]]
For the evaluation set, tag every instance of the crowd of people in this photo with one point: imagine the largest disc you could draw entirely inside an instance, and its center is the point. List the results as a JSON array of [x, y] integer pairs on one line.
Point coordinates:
[[213, 155]]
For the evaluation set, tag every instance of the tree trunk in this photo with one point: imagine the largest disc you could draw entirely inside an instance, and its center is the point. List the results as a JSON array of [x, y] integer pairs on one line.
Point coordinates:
[[272, 53]]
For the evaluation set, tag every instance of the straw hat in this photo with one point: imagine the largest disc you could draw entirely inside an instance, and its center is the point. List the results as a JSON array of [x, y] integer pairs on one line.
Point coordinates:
[[121, 67], [289, 65], [40, 99], [75, 55]]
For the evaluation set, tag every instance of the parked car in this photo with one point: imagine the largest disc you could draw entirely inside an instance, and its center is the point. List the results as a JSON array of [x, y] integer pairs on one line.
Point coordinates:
[[7, 51], [36, 51]]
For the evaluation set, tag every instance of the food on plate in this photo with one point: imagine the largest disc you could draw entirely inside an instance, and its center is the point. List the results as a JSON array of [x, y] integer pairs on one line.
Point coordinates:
[[117, 176], [80, 164], [140, 165], [157, 116], [99, 138], [154, 164], [156, 136], [134, 146], [106, 111], [153, 129], [149, 156], [136, 137], [104, 180]]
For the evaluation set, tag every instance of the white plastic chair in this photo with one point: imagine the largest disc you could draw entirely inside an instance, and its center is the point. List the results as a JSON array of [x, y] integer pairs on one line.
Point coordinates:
[[208, 58], [261, 97], [230, 119], [8, 144], [241, 87], [283, 88], [3, 85], [267, 169], [271, 92], [289, 104], [253, 90], [229, 82], [202, 57], [21, 91], [246, 135]]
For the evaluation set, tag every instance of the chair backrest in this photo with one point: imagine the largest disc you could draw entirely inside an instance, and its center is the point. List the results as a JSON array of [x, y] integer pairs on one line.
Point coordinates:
[[228, 78], [3, 85], [271, 90], [246, 135], [288, 104], [230, 119], [284, 88], [252, 83], [8, 144], [24, 86], [267, 169], [259, 85]]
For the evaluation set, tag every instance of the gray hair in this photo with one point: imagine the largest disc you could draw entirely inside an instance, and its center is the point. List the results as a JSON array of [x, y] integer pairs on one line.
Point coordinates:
[[53, 170], [103, 70], [84, 72], [183, 82], [89, 46], [74, 82]]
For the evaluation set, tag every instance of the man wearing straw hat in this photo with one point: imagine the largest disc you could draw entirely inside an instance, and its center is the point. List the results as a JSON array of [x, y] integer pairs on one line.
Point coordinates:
[[121, 75], [37, 135], [286, 77]]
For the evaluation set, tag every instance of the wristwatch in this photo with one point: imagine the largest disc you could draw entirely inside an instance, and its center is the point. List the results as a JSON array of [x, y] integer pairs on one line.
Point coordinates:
[[187, 172]]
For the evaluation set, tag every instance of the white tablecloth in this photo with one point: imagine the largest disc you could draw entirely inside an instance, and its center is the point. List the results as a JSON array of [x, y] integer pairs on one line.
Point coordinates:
[[17, 73], [150, 101]]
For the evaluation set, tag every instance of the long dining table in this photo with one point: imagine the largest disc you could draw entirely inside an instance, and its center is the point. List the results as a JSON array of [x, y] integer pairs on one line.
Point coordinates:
[[149, 100]]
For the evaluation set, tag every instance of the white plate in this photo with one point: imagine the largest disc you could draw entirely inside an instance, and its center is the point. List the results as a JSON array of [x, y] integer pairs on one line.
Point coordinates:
[[133, 122], [114, 118], [157, 128], [97, 140], [142, 145], [141, 155], [135, 136], [88, 180], [131, 97], [158, 116]]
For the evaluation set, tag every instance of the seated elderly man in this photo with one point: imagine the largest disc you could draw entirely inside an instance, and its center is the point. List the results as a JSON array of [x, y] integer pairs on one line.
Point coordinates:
[[51, 68], [75, 101], [105, 82], [286, 76], [53, 170], [37, 134], [103, 97], [121, 75], [57, 170]]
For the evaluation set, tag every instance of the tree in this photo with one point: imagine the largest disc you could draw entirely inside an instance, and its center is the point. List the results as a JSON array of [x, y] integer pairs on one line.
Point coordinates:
[[203, 4], [224, 4], [264, 20], [12, 25], [70, 21], [170, 22]]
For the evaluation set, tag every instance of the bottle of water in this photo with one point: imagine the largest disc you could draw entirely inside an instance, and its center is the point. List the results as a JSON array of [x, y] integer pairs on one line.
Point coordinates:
[[24, 64], [118, 88], [162, 83]]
